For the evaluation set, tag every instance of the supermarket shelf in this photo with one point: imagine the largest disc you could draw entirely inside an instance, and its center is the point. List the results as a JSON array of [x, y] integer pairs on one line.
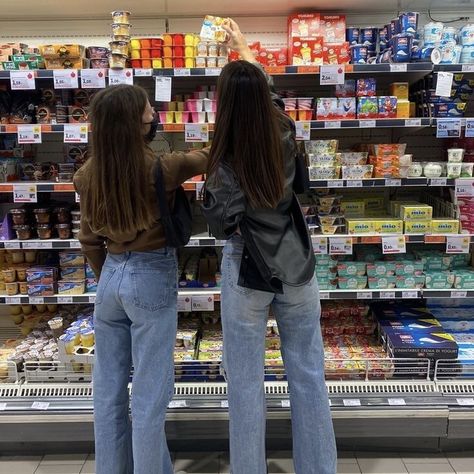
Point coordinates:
[[455, 68], [376, 123], [56, 299], [41, 187], [381, 182], [45, 127], [377, 238]]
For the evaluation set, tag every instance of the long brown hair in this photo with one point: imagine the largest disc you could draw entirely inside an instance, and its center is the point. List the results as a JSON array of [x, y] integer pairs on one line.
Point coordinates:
[[116, 196], [248, 133]]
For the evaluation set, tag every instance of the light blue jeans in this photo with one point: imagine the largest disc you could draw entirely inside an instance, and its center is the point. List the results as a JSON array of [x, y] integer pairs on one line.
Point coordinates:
[[244, 319], [135, 323]]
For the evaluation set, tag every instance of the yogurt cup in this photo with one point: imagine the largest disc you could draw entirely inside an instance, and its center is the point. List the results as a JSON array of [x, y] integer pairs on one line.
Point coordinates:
[[211, 117], [119, 47], [455, 155], [290, 103], [432, 170], [467, 35], [121, 16], [121, 29], [198, 117], [209, 105], [305, 115], [304, 103], [415, 170], [359, 54], [449, 33], [454, 170], [409, 22], [194, 105], [353, 35], [432, 33], [467, 55], [293, 114], [467, 170]]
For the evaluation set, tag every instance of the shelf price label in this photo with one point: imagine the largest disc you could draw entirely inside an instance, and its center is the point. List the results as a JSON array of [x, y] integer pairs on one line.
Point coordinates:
[[65, 78], [202, 303], [332, 124], [65, 299], [224, 403], [143, 72], [29, 134], [464, 188], [457, 244], [212, 71], [12, 244], [163, 89], [340, 246], [393, 182], [448, 128], [403, 67], [285, 404], [324, 295], [364, 295], [75, 244], [13, 300], [120, 76], [413, 122], [467, 68], [410, 294], [354, 183], [36, 300], [465, 401], [349, 402], [177, 404], [3, 406], [458, 294], [40, 405], [22, 80], [93, 78], [25, 193], [438, 181], [367, 123], [335, 183], [397, 402], [182, 71], [469, 132], [394, 244], [196, 132], [320, 245], [332, 75], [303, 130], [387, 295], [76, 132], [184, 304]]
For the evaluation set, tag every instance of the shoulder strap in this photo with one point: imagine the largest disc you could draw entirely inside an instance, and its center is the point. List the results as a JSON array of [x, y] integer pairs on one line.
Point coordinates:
[[160, 190]]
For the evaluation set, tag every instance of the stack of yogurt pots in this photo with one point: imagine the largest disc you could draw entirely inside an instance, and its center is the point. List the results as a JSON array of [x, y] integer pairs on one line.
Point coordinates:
[[120, 44], [299, 108]]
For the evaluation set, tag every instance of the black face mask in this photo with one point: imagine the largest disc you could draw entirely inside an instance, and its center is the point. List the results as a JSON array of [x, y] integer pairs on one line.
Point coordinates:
[[150, 136]]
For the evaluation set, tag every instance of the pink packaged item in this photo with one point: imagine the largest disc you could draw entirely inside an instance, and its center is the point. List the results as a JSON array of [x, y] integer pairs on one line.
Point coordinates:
[[305, 115], [209, 105], [198, 117], [387, 106], [194, 105], [304, 103], [290, 103], [304, 24]]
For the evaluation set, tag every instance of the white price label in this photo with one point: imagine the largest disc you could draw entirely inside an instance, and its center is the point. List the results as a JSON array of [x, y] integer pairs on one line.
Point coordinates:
[[78, 197], [467, 68], [399, 67], [22, 80], [331, 75], [120, 76], [92, 299], [364, 295], [332, 124], [202, 303], [335, 183], [457, 244], [394, 244], [465, 401], [448, 128], [354, 183], [320, 245], [285, 404], [349, 402], [324, 295], [65, 299], [409, 295], [184, 304], [340, 246], [220, 243], [393, 182], [75, 244], [40, 405], [25, 193], [38, 245], [93, 78], [387, 295], [36, 300], [193, 243], [13, 300], [213, 71], [199, 190], [12, 244], [367, 123], [196, 132], [397, 402], [3, 406], [413, 122], [444, 84], [224, 404], [29, 134], [458, 294], [182, 71], [76, 132], [177, 404], [464, 188], [438, 182], [65, 78], [469, 133], [143, 72], [303, 130], [163, 89]]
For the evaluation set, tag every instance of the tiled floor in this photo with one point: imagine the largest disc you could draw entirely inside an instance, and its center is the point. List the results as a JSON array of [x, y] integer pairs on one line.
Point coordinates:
[[278, 463]]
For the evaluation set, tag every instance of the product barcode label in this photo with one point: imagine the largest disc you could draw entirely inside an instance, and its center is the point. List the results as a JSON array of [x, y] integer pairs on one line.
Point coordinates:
[[335, 183], [285, 403], [64, 299], [397, 402], [367, 123], [40, 405], [351, 402], [12, 245], [354, 183], [36, 300], [224, 404], [177, 404], [364, 295], [409, 294], [465, 401]]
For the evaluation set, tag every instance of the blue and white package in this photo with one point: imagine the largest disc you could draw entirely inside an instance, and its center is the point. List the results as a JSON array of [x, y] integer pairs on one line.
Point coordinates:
[[368, 36], [450, 53], [432, 33], [409, 23], [467, 55], [359, 54], [467, 35], [383, 37], [353, 35], [401, 46], [449, 34], [394, 27]]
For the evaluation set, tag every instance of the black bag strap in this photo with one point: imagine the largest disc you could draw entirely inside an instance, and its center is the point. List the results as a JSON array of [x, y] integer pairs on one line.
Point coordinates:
[[160, 190]]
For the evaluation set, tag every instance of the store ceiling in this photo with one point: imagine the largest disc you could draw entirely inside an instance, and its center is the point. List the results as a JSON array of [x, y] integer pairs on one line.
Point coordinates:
[[52, 9]]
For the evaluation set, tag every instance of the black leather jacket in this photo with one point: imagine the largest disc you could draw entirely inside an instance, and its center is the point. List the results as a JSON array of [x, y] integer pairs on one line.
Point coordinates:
[[278, 246]]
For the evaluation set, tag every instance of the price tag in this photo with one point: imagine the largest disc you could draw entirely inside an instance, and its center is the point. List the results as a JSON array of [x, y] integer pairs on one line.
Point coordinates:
[[65, 78], [353, 183], [332, 124], [335, 183], [367, 123], [40, 405], [444, 84], [93, 78], [387, 295], [469, 128], [12, 244], [438, 182], [25, 193], [351, 402], [36, 300], [224, 404], [303, 130], [196, 132], [193, 243], [324, 295], [29, 134], [409, 295], [12, 300], [143, 72], [199, 192], [393, 182], [467, 68], [320, 245], [78, 197], [457, 244], [177, 404], [448, 128], [464, 188], [64, 299], [120, 76], [92, 299], [202, 303], [364, 295], [331, 75], [213, 71], [22, 80], [394, 244], [465, 401], [413, 122], [340, 246], [163, 89], [458, 294], [285, 403], [75, 244], [220, 243], [397, 402], [182, 71], [398, 67], [184, 304], [3, 406], [76, 132], [38, 245]]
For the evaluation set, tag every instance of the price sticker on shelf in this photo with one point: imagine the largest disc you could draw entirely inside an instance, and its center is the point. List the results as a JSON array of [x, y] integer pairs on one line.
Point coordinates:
[[340, 246], [387, 295], [196, 132], [224, 403], [177, 404], [36, 300], [143, 72], [410, 295], [285, 404], [467, 68], [364, 295], [12, 300], [324, 295], [438, 181], [465, 402], [397, 402], [182, 71], [92, 299], [12, 244], [335, 183], [75, 244], [64, 299], [76, 132], [25, 193], [395, 183], [403, 67], [320, 245], [464, 188], [394, 244], [469, 132], [448, 128], [413, 122], [184, 304], [332, 124], [202, 303], [22, 80], [40, 405], [367, 123], [3, 406], [457, 244], [332, 75], [120, 76], [163, 89], [458, 294], [213, 71], [444, 84], [77, 197], [303, 130], [354, 183], [65, 78], [29, 134], [349, 402], [93, 78]]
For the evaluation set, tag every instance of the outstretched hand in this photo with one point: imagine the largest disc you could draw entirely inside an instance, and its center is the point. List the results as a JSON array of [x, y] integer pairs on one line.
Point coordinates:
[[236, 40]]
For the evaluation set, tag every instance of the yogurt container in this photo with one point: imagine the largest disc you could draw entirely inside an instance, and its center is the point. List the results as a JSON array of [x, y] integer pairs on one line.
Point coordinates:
[[450, 53], [353, 35], [432, 170], [467, 55], [454, 170], [467, 35], [409, 23], [401, 46], [359, 54], [449, 33], [432, 33], [455, 155]]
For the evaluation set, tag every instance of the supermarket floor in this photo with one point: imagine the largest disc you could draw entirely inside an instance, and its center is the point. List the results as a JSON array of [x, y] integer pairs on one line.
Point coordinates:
[[278, 462]]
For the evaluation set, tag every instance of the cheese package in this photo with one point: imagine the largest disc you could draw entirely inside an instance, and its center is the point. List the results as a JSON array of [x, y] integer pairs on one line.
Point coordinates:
[[360, 226], [418, 227], [211, 29], [388, 226], [354, 208], [445, 226], [421, 212]]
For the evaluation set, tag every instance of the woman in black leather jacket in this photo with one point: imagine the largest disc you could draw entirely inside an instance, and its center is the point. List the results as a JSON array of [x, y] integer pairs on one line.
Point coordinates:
[[268, 262]]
